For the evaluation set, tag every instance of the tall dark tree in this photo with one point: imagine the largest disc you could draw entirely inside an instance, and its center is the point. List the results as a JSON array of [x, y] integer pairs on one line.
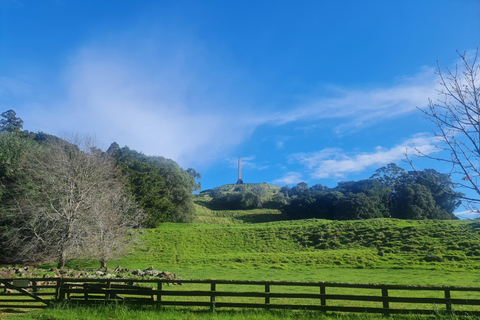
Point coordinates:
[[389, 175], [10, 122]]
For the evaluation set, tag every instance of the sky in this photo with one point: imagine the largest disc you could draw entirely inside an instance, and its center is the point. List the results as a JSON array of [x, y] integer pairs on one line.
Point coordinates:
[[313, 91]]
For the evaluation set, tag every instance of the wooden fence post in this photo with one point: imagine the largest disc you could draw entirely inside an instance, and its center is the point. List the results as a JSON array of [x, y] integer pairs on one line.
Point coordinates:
[[212, 297], [267, 296], [85, 294], [449, 302], [386, 304], [58, 290], [109, 286], [159, 294], [323, 301]]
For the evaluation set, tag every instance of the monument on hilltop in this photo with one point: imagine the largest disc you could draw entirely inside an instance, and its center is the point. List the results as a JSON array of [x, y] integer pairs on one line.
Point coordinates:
[[239, 181]]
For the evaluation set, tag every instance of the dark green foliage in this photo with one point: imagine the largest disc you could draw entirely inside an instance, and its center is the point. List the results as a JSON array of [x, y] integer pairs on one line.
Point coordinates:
[[356, 206], [15, 184], [11, 123], [160, 186], [313, 204], [390, 192], [413, 201], [286, 190], [389, 175], [299, 188]]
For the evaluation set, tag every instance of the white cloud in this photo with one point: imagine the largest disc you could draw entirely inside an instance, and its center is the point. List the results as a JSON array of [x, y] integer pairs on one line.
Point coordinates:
[[335, 163], [166, 99], [289, 178], [468, 214], [367, 106], [151, 102]]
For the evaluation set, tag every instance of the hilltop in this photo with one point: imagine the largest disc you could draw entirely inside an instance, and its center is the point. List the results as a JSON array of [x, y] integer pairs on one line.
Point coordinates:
[[241, 196], [270, 190]]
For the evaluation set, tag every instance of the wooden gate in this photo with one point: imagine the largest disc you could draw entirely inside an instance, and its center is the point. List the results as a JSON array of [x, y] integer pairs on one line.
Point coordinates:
[[27, 293]]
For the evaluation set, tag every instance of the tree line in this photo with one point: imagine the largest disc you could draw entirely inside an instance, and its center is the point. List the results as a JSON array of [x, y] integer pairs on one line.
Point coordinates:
[[65, 198], [391, 192]]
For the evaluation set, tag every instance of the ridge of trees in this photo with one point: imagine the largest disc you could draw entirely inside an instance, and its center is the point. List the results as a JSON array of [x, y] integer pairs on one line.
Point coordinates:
[[391, 192]]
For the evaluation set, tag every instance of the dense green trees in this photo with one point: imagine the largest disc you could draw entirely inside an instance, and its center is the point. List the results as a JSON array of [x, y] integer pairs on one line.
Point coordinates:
[[390, 192], [159, 185]]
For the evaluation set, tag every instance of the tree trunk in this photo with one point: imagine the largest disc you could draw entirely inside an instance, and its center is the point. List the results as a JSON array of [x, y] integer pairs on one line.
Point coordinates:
[[61, 260], [103, 264]]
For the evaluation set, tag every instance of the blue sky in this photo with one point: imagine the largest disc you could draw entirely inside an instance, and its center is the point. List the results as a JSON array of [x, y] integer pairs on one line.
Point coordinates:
[[314, 91]]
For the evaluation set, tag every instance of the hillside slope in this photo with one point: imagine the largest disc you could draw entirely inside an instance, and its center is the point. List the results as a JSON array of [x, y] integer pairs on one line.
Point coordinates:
[[375, 243]]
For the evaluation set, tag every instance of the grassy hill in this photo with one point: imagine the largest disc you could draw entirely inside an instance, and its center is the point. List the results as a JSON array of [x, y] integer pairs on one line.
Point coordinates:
[[206, 213], [229, 188], [377, 243]]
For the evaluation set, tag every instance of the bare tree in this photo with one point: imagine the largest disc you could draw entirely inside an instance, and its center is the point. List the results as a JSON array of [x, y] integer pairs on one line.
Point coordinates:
[[456, 118], [115, 218], [78, 193]]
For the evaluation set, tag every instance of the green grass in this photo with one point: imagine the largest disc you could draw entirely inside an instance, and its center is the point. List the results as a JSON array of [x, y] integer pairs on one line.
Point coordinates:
[[205, 215], [237, 245], [309, 244], [123, 312]]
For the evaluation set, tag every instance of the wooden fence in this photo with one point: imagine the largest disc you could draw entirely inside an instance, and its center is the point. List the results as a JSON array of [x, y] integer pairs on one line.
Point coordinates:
[[213, 294]]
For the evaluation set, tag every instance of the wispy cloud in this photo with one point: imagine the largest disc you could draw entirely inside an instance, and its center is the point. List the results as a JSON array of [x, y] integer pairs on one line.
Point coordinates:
[[336, 163], [165, 99], [468, 214], [13, 87], [364, 107], [247, 163], [151, 102], [289, 178]]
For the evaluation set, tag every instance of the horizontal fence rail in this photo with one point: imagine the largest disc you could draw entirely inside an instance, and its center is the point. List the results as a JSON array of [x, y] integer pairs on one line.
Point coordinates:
[[213, 294]]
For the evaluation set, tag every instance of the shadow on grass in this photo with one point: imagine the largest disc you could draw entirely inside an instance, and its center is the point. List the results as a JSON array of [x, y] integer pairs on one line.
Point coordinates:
[[13, 311], [261, 218]]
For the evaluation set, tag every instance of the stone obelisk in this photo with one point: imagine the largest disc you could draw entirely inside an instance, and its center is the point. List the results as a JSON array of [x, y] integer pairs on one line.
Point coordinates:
[[239, 181]]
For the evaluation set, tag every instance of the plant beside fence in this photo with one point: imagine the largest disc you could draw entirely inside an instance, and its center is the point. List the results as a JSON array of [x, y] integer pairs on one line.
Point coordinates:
[[213, 294]]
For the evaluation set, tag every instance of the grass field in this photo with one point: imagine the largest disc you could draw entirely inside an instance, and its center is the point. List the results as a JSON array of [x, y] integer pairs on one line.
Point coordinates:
[[310, 244], [147, 313], [258, 245]]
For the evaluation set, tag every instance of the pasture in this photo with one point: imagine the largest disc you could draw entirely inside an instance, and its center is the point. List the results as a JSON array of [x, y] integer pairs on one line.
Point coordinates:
[[242, 246]]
